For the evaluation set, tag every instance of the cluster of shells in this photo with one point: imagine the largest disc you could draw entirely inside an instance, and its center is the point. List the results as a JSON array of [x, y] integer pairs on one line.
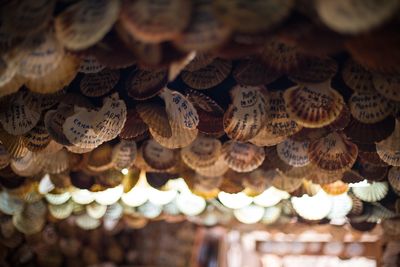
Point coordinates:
[[232, 96]]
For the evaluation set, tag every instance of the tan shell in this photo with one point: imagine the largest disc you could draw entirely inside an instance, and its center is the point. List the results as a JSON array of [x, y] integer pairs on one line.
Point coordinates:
[[100, 83], [387, 85], [335, 188], [134, 127], [313, 106], [57, 162], [56, 79], [15, 145], [246, 115], [389, 149], [29, 165], [77, 33], [32, 218], [209, 76], [124, 154], [252, 16], [357, 78], [218, 168], [293, 152], [369, 108], [333, 152], [100, 158], [180, 137], [202, 153], [200, 61], [157, 156], [242, 157], [319, 176], [155, 21], [278, 124], [315, 70], [155, 117], [143, 84], [351, 17], [205, 31], [285, 183]]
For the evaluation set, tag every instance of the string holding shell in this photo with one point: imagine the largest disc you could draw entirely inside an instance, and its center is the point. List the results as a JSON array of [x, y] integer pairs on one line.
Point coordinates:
[[246, 115]]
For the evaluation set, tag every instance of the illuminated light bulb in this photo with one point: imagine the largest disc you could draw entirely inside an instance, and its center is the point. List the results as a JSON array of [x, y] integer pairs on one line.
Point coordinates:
[[190, 204], [249, 214], [161, 198], [124, 171], [234, 201], [109, 196], [270, 197], [82, 196]]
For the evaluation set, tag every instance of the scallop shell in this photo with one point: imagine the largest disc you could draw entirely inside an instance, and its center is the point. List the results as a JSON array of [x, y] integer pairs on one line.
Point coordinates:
[[179, 109], [250, 17], [156, 118], [37, 139], [158, 179], [282, 57], [357, 78], [342, 121], [352, 176], [335, 188], [31, 219], [232, 182], [313, 106], [57, 162], [76, 33], [285, 183], [246, 115], [321, 204], [322, 177], [293, 152], [4, 157], [90, 64], [56, 79], [57, 199], [387, 85], [124, 154], [61, 211], [10, 204], [209, 76], [134, 127], [333, 153], [315, 70], [205, 31], [100, 158], [394, 178], [278, 124], [370, 107], [143, 84], [218, 168], [100, 83], [373, 192], [29, 165], [86, 222], [202, 153], [242, 157], [389, 149], [391, 227], [46, 55], [252, 72], [200, 61], [155, 22], [95, 210], [157, 156], [14, 145], [180, 137], [352, 17], [20, 115]]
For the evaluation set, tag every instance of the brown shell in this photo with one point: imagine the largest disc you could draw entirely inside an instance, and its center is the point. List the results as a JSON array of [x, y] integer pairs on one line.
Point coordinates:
[[252, 72], [357, 78], [369, 107], [157, 156], [387, 85], [99, 83], [143, 84], [134, 127], [313, 106], [333, 152], [242, 157], [315, 70]]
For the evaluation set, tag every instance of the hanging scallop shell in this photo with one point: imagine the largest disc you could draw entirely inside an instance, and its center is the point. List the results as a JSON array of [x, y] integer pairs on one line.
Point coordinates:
[[246, 115], [29, 165], [352, 17], [333, 152], [335, 188], [37, 139], [144, 84], [124, 154], [202, 153], [76, 33], [14, 145], [4, 157], [46, 55], [315, 70], [100, 158], [278, 125], [179, 109], [242, 157], [253, 73], [375, 191], [218, 168], [321, 177], [387, 85], [313, 106], [293, 152], [394, 178], [155, 22], [86, 222], [155, 117], [369, 107], [205, 31], [61, 211], [389, 149], [31, 219], [57, 78], [285, 183], [90, 64], [100, 83], [157, 156], [20, 115], [134, 127], [321, 204], [209, 76]]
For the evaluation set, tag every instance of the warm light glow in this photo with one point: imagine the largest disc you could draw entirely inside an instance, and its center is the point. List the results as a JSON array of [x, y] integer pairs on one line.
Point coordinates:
[[138, 195], [161, 198], [341, 206], [58, 199], [249, 214], [312, 208], [82, 196], [109, 196], [46, 185], [234, 201], [124, 171]]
